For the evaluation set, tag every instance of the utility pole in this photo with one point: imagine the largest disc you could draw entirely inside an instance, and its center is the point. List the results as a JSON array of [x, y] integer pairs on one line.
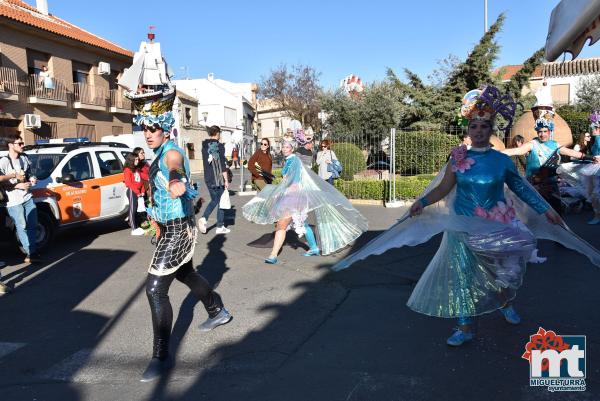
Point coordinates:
[[485, 12]]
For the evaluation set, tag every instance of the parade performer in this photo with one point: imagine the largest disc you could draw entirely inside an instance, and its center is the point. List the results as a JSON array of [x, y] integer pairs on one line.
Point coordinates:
[[299, 193], [171, 207], [543, 153], [489, 232], [591, 172]]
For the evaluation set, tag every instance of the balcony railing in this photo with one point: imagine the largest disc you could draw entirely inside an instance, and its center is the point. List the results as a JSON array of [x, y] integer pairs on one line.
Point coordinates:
[[89, 94], [47, 88], [118, 101], [8, 80]]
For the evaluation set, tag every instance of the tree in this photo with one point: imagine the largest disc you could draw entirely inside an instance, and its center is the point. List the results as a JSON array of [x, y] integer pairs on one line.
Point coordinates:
[[588, 94], [516, 83], [296, 90]]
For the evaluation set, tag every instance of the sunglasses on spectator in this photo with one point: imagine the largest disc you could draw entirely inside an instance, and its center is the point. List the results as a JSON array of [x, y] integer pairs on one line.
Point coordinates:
[[264, 144], [19, 143]]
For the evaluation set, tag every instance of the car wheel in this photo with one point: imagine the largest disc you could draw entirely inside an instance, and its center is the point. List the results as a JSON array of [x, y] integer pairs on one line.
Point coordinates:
[[46, 228]]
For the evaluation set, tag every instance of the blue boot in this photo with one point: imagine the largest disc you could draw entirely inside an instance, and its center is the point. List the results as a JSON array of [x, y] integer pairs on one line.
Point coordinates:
[[271, 260], [510, 315], [312, 241], [313, 252], [459, 337]]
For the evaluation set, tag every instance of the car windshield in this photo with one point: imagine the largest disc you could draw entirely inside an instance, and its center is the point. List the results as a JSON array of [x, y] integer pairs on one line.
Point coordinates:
[[43, 164]]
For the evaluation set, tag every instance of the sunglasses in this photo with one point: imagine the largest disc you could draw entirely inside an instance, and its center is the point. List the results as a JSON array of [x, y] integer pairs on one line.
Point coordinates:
[[151, 128], [19, 143]]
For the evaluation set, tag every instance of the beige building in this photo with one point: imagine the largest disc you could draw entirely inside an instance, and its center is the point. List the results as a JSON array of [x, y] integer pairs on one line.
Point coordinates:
[[190, 130], [272, 122], [77, 96]]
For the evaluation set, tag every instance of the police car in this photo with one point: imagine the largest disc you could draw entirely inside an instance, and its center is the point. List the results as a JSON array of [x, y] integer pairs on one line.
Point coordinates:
[[78, 182]]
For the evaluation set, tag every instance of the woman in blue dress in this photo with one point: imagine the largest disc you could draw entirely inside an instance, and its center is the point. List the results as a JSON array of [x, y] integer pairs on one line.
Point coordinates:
[[299, 193], [489, 232]]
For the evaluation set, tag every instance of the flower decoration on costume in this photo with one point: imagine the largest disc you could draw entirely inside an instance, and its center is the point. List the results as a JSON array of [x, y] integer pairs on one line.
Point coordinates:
[[595, 119], [486, 104], [460, 161], [502, 212]]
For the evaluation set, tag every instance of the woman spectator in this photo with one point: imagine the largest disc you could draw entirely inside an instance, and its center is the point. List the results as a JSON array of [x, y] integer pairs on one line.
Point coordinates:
[[144, 168], [584, 143], [135, 190], [261, 164], [325, 157]]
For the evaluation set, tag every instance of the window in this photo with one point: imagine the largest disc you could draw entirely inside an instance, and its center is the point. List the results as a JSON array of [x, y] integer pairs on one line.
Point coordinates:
[[80, 166], [81, 72], [43, 164], [259, 128], [276, 124], [230, 117], [48, 130], [188, 116], [86, 131], [109, 163], [560, 93], [35, 61]]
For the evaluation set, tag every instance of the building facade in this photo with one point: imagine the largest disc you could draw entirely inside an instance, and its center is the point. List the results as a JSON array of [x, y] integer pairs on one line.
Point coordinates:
[[56, 79], [188, 130], [564, 78], [272, 122]]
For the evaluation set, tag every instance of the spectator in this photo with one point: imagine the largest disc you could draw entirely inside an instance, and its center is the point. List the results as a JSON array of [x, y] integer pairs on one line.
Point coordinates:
[[466, 140], [135, 191], [324, 158], [20, 205], [583, 143], [144, 168], [521, 160], [305, 147], [262, 157], [215, 177], [235, 157], [46, 78]]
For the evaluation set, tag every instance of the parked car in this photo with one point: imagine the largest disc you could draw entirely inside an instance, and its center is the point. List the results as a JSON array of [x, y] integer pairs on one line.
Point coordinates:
[[78, 183]]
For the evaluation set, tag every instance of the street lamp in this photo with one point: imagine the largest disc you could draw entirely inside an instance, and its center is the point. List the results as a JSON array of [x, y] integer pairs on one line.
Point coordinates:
[[485, 13]]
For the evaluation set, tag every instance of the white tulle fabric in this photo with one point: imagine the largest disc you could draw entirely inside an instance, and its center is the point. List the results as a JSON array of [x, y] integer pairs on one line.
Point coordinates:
[[300, 192]]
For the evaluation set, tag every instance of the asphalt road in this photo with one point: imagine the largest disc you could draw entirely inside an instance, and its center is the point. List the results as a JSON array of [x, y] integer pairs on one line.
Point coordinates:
[[77, 327]]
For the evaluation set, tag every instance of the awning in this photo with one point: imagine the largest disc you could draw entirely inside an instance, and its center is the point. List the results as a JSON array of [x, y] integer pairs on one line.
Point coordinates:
[[572, 23]]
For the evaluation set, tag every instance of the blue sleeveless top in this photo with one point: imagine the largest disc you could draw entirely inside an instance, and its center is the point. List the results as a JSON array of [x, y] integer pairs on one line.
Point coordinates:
[[540, 152], [165, 208]]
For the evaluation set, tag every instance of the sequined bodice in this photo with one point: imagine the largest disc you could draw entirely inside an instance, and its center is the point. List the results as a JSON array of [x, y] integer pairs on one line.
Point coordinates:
[[482, 185]]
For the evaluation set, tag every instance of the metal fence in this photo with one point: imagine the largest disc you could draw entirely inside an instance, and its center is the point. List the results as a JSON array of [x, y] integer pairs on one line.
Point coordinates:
[[390, 166]]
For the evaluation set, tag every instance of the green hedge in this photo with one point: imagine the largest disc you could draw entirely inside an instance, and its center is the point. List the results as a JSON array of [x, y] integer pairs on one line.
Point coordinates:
[[406, 187], [577, 120], [421, 152], [352, 159]]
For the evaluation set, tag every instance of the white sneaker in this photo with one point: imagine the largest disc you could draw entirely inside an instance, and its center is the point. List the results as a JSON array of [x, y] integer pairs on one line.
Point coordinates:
[[223, 230], [138, 231], [202, 225]]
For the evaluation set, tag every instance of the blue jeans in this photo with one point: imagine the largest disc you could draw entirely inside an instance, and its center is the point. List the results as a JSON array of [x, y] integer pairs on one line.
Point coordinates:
[[25, 218], [330, 180], [215, 197]]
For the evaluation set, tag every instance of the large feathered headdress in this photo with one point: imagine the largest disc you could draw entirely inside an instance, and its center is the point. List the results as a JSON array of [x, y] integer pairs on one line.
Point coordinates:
[[486, 104]]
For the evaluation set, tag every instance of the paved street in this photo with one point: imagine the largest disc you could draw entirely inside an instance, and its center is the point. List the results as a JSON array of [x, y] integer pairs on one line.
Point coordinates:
[[77, 327]]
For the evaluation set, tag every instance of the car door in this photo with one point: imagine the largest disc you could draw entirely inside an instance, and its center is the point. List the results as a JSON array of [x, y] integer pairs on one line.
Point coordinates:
[[113, 196], [79, 197]]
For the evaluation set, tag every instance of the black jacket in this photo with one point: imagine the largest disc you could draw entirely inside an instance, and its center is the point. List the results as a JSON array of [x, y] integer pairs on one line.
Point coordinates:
[[213, 172]]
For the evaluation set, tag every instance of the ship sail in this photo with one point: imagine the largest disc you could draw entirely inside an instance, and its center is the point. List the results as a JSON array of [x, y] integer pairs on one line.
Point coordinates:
[[131, 77]]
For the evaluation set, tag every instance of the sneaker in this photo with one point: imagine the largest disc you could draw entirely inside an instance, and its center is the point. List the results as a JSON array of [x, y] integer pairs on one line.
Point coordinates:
[[202, 225], [4, 289], [459, 337], [271, 260], [223, 317], [511, 315], [156, 368], [138, 231], [313, 252], [223, 230], [593, 221]]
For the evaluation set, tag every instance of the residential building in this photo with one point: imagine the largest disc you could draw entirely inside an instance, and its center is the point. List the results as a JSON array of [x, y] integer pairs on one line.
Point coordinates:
[[188, 129], [56, 79], [272, 122], [563, 77], [231, 106]]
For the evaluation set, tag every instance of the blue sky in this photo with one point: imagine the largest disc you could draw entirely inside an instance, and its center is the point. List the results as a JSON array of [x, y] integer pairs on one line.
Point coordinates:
[[241, 41]]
